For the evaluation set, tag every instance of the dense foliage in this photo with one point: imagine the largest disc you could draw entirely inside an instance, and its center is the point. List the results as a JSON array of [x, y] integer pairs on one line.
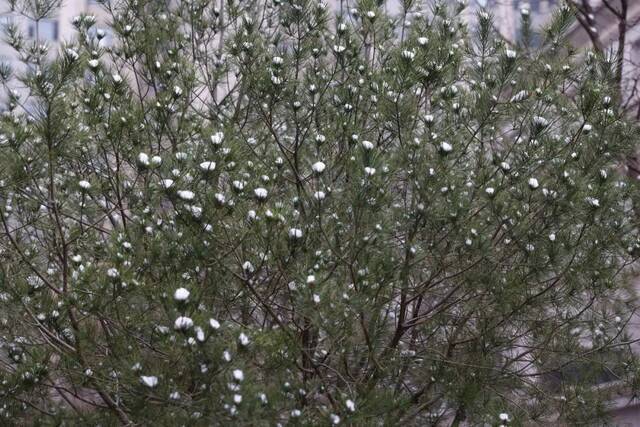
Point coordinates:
[[256, 212]]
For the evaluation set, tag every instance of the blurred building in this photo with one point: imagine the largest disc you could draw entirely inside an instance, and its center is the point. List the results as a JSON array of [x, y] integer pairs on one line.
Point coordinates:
[[605, 29], [53, 30], [507, 13], [59, 27]]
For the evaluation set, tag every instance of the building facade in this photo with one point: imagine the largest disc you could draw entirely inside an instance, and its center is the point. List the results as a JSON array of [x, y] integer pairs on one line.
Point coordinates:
[[53, 30]]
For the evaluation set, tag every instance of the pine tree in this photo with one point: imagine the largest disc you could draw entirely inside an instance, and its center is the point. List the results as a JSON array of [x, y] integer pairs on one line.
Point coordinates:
[[273, 213]]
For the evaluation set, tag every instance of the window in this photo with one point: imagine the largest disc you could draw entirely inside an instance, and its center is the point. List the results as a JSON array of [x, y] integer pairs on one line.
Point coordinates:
[[46, 30], [610, 368], [6, 20]]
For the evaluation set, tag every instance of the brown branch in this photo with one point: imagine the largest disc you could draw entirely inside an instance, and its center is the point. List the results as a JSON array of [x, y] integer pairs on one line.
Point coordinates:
[[586, 19]]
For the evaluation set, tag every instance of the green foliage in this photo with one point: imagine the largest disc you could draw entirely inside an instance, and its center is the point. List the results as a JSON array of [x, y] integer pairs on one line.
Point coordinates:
[[254, 213]]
